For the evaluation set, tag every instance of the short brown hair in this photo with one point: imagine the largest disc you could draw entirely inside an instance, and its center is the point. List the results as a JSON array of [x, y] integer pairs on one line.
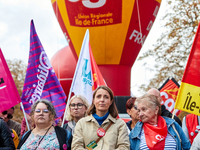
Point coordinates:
[[112, 109], [130, 102]]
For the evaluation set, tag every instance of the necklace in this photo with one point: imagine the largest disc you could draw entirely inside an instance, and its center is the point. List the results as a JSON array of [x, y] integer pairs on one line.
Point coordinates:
[[42, 137]]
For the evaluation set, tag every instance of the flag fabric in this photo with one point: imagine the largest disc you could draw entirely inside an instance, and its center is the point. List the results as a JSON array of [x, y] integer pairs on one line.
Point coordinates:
[[9, 95], [169, 91], [41, 81], [97, 76], [189, 93], [87, 76]]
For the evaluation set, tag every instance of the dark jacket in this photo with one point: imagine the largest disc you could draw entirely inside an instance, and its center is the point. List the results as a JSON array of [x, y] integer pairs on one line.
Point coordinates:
[[6, 142], [167, 113], [129, 124]]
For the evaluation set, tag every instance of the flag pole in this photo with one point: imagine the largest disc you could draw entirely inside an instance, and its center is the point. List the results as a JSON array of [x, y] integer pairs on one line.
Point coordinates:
[[24, 115], [173, 114], [75, 74], [66, 108]]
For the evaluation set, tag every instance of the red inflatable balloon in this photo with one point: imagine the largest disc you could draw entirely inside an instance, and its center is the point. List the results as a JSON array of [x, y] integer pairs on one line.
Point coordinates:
[[64, 64], [118, 28]]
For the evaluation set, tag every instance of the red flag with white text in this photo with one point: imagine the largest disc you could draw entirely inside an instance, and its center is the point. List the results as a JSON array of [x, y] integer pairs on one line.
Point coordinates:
[[169, 91]]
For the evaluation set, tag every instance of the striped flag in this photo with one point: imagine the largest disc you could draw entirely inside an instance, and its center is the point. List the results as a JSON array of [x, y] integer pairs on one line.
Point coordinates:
[[41, 80], [189, 93]]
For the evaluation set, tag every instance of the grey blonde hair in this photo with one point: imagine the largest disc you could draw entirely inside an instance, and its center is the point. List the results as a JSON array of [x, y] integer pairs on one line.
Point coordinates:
[[50, 107], [151, 101], [85, 102]]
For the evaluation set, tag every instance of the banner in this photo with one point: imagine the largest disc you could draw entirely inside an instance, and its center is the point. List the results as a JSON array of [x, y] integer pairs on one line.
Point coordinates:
[[9, 95], [41, 81], [87, 76], [189, 94], [169, 91]]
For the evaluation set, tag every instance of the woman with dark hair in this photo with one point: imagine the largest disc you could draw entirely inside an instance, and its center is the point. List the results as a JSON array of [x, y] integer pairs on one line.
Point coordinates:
[[132, 111], [101, 129], [45, 135]]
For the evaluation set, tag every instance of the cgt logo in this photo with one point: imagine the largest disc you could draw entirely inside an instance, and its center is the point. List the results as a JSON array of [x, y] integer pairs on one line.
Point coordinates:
[[89, 4], [159, 137]]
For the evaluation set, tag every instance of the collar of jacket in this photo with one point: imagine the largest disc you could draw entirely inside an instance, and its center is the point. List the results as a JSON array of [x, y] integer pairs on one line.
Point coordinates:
[[135, 133], [108, 119]]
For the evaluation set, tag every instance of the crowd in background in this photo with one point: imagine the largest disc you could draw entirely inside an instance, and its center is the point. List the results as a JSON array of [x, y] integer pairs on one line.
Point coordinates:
[[98, 126]]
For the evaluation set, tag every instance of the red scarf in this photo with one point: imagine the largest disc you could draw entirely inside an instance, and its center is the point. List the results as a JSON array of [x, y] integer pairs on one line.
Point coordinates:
[[155, 136]]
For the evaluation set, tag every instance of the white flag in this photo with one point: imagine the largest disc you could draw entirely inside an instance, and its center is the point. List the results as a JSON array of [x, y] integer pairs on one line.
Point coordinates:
[[83, 81]]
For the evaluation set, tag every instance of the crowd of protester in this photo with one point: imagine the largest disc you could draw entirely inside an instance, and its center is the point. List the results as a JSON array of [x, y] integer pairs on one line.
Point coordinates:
[[98, 126]]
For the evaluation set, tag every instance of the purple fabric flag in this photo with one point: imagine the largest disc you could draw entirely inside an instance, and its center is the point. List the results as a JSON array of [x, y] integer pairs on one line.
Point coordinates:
[[41, 80]]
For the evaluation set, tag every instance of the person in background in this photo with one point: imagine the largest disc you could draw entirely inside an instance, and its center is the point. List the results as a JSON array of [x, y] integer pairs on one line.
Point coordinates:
[[153, 131], [101, 129], [164, 111], [191, 126], [196, 143], [7, 117], [132, 111], [24, 128], [15, 137], [76, 110], [45, 135], [60, 121], [6, 141]]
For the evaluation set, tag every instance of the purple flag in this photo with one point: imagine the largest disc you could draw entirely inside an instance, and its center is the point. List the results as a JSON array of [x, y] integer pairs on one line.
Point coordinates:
[[41, 80]]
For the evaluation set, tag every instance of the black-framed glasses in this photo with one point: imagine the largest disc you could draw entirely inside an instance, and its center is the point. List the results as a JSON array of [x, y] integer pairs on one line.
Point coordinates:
[[135, 107], [9, 115], [78, 105], [44, 111]]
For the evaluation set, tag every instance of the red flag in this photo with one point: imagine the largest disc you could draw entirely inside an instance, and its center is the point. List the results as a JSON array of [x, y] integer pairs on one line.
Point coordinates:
[[97, 76], [9, 95], [169, 91], [189, 94]]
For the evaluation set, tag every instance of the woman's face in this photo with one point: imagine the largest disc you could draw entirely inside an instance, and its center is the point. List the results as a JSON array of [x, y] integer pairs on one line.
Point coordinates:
[[133, 113], [102, 101], [77, 108], [147, 114], [41, 114]]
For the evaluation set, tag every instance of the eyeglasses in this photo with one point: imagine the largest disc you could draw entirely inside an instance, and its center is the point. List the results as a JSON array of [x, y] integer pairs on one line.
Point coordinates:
[[79, 105], [135, 107], [44, 111], [9, 115]]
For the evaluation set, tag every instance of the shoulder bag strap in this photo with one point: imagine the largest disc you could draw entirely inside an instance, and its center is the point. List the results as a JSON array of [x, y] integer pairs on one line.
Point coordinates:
[[105, 131]]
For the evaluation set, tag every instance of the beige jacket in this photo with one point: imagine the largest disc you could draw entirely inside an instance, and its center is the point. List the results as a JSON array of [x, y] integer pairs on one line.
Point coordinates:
[[116, 137]]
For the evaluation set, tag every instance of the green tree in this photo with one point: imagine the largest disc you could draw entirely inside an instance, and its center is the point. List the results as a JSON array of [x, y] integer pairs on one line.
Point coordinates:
[[18, 72], [173, 47]]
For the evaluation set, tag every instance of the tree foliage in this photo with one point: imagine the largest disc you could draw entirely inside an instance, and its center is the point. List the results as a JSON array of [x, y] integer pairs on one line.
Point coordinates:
[[18, 72], [173, 47]]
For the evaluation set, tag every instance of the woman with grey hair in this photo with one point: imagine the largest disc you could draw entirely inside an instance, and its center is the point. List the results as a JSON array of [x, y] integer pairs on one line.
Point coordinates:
[[45, 135], [154, 131], [76, 110]]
